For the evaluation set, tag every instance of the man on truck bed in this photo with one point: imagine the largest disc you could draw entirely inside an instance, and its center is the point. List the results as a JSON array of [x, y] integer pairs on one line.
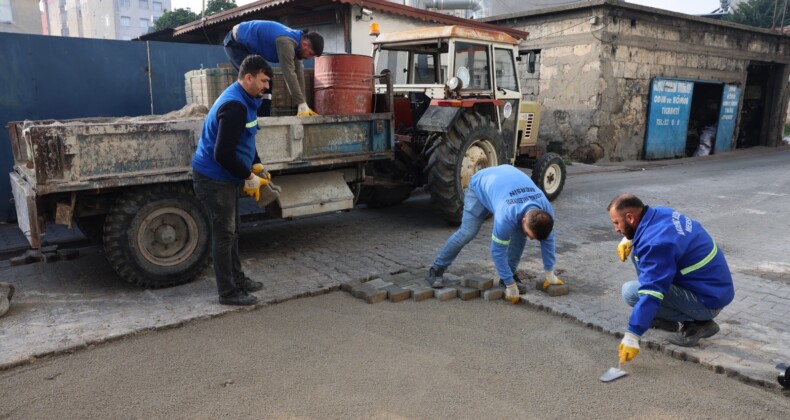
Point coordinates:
[[223, 160], [276, 43], [520, 211]]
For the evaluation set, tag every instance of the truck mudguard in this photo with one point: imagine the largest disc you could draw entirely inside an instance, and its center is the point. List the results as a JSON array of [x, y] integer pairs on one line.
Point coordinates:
[[439, 118]]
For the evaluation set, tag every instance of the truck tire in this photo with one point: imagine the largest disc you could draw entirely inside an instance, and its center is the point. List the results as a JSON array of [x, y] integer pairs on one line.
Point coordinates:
[[472, 144], [158, 236], [549, 175]]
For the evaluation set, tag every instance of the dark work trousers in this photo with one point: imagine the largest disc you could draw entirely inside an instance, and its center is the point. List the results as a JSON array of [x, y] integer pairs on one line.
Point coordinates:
[[221, 201], [236, 54]]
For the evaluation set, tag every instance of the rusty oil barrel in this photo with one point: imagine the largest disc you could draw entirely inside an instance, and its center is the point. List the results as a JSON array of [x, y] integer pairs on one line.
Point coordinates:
[[343, 84]]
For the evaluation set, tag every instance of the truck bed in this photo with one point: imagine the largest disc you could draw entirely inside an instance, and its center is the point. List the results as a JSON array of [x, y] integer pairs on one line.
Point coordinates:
[[75, 155]]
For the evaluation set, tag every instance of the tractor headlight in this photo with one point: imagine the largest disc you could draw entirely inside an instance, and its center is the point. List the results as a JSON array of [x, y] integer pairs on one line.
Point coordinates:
[[454, 83]]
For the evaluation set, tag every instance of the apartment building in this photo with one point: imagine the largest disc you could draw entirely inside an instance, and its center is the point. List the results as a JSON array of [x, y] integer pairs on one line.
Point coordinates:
[[105, 19], [20, 16]]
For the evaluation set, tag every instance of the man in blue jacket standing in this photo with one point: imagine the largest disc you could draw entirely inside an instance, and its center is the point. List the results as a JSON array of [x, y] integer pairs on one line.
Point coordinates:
[[276, 43], [521, 211], [225, 159], [682, 274]]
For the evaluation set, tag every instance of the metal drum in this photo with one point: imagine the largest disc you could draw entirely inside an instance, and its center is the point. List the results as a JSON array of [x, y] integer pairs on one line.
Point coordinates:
[[343, 84]]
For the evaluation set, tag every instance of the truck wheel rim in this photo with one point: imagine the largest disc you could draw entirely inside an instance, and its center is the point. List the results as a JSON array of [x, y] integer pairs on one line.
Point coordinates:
[[551, 178], [167, 236], [480, 155]]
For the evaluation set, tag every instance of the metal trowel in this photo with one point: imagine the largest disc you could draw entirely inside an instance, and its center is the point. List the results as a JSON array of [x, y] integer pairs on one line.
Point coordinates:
[[613, 373]]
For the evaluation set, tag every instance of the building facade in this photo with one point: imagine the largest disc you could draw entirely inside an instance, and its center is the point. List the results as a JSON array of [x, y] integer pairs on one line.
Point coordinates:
[[20, 16], [619, 81], [104, 19]]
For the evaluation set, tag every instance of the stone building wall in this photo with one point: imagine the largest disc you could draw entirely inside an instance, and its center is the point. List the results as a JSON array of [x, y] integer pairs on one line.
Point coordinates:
[[596, 64]]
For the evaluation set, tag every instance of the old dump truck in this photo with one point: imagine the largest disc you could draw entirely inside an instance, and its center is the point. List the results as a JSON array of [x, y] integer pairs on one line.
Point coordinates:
[[127, 182]]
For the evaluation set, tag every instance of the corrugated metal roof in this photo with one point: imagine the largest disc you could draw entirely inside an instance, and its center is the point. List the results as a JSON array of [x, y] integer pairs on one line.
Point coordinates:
[[249, 10], [454, 31]]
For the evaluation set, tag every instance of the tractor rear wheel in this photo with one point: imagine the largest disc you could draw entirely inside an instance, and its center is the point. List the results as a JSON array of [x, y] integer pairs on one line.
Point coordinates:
[[472, 144]]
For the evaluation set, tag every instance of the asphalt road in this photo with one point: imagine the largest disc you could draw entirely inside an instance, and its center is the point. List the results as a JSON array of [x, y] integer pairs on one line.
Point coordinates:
[[334, 356]]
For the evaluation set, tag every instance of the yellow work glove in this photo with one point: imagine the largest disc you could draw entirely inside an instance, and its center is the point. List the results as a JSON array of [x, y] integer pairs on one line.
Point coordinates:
[[304, 111], [624, 249], [258, 169], [551, 279], [629, 347], [252, 186], [511, 293]]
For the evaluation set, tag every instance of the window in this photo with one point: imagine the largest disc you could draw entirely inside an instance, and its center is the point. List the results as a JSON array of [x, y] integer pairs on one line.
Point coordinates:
[[157, 6], [5, 11], [124, 3], [126, 21], [474, 57], [424, 69], [144, 23], [505, 70], [143, 4], [397, 62]]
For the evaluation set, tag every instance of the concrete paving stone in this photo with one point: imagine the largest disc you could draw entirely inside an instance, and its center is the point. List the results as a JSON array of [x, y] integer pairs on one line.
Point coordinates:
[[419, 293], [378, 283], [68, 254], [467, 293], [494, 294], [451, 280], [478, 282], [553, 290], [371, 294], [21, 260], [396, 293], [446, 293], [349, 285], [50, 257], [402, 279]]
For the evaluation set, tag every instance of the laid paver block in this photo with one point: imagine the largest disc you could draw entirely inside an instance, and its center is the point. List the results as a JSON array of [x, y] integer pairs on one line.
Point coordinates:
[[451, 280], [359, 289], [396, 293], [378, 283], [21, 260], [371, 294], [494, 294], [348, 286], [553, 290], [403, 279], [419, 293], [467, 293], [445, 294], [478, 282], [50, 257]]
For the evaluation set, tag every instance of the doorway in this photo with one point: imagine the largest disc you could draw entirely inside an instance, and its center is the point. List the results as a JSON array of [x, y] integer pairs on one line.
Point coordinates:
[[761, 99], [703, 118]]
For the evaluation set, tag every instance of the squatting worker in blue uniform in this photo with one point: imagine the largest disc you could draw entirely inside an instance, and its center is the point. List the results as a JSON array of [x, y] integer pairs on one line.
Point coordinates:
[[520, 211], [682, 274], [226, 159], [276, 43]]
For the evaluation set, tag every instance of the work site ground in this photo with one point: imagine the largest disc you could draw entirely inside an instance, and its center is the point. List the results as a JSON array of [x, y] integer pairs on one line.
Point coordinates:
[[741, 198]]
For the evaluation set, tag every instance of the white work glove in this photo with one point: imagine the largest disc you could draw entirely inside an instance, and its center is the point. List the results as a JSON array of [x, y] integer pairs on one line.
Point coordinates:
[[511, 293], [624, 249], [304, 111], [551, 279], [628, 348]]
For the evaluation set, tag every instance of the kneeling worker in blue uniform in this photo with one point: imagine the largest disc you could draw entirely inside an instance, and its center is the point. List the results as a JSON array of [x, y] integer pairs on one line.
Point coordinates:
[[682, 275], [520, 211]]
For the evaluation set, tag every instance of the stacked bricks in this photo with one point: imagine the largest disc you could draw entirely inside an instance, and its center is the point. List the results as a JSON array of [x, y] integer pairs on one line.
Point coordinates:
[[203, 87]]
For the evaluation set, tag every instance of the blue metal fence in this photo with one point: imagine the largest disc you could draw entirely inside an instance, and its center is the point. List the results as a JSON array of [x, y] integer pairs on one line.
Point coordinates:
[[46, 77]]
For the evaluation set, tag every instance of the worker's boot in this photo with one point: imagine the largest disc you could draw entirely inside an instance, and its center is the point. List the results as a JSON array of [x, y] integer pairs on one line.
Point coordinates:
[[435, 277], [238, 298], [522, 288], [249, 285], [692, 331], [664, 325]]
